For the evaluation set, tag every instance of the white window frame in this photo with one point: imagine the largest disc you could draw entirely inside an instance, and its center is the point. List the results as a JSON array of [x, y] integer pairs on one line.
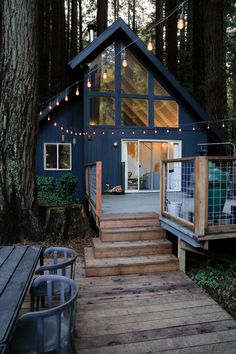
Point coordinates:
[[57, 168]]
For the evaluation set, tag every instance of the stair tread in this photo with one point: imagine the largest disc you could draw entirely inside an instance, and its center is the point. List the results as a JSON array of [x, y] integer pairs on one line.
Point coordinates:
[[132, 229], [98, 243], [143, 215], [126, 261]]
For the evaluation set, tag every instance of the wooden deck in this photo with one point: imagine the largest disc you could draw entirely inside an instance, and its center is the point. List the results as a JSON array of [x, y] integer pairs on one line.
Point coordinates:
[[150, 313]]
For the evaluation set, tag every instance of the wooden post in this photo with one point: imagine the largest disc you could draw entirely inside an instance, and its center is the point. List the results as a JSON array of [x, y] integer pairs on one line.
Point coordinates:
[[181, 256], [163, 187], [98, 187], [201, 195]]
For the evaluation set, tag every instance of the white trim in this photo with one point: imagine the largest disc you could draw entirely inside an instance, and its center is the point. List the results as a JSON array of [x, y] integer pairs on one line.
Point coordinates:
[[56, 169]]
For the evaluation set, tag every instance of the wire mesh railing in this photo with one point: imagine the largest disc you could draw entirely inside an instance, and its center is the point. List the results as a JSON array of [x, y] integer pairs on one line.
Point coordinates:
[[205, 199]]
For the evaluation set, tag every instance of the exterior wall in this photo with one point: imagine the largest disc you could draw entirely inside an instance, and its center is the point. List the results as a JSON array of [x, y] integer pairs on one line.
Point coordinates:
[[69, 115]]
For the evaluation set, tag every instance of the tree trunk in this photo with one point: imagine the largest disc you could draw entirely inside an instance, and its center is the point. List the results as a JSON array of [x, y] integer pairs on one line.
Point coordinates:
[[199, 91], [74, 25], [214, 59], [171, 37], [102, 7], [18, 78], [159, 30], [80, 27], [134, 16], [58, 47]]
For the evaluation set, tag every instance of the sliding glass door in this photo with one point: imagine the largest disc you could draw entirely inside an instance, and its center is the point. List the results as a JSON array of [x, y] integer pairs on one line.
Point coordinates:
[[142, 163]]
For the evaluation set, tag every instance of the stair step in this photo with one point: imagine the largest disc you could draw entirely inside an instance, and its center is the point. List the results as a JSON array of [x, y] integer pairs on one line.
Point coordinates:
[[128, 265], [130, 248], [129, 220], [132, 233]]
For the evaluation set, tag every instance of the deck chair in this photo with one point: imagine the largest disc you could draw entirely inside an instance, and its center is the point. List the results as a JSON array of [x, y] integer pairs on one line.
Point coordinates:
[[60, 261], [50, 329]]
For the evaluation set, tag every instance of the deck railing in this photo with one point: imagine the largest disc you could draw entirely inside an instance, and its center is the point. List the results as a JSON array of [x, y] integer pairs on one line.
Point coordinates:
[[93, 187], [200, 193]]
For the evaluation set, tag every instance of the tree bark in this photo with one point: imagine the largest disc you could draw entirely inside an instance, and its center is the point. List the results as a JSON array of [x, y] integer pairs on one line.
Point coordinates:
[[74, 25], [159, 30], [102, 7], [18, 78], [80, 26], [171, 37]]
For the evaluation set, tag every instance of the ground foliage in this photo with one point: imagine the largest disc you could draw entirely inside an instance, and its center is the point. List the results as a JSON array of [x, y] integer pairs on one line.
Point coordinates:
[[219, 281]]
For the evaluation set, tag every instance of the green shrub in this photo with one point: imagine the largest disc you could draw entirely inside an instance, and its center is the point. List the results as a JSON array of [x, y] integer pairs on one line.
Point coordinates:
[[56, 192]]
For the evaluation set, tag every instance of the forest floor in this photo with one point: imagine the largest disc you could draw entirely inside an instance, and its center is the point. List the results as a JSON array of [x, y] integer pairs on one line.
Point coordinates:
[[217, 279]]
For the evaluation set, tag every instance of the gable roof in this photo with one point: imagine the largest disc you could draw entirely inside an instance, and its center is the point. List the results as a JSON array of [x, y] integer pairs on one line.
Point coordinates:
[[120, 29]]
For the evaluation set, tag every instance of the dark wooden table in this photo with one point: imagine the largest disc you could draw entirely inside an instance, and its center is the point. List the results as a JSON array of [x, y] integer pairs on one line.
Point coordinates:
[[17, 265]]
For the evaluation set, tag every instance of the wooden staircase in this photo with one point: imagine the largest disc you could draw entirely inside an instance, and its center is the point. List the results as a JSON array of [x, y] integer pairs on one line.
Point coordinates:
[[128, 244]]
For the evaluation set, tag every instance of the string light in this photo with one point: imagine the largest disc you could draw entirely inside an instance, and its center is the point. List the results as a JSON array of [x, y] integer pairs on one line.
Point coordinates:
[[124, 61], [77, 90], [105, 73], [40, 113], [180, 22], [223, 125], [149, 43], [49, 118], [55, 124], [208, 126], [167, 130], [50, 106], [66, 97], [89, 85], [180, 130], [57, 103], [194, 128]]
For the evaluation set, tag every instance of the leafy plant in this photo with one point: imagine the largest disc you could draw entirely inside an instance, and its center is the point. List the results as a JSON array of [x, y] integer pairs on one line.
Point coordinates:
[[56, 192]]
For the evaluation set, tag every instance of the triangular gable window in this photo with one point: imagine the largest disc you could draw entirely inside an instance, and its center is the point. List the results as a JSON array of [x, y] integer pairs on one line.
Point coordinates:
[[159, 89]]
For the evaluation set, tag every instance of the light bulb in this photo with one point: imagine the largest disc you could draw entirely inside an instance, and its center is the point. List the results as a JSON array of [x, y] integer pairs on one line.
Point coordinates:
[[55, 124], [105, 74], [57, 103], [223, 125], [49, 118], [89, 83], [66, 98], [125, 63], [150, 44], [194, 128], [50, 106], [40, 113], [180, 23], [77, 91]]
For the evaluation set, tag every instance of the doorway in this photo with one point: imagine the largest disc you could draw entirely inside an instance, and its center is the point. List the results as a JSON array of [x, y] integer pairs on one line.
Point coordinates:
[[142, 164]]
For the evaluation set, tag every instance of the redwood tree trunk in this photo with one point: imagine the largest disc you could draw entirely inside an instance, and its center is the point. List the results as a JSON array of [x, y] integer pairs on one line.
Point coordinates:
[[18, 77], [171, 37], [159, 30], [102, 7]]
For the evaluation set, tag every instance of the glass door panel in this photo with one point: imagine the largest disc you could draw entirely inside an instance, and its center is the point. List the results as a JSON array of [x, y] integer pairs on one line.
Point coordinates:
[[132, 165], [145, 165]]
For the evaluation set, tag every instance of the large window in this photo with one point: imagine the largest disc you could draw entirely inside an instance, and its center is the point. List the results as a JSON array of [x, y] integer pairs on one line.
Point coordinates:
[[128, 96], [57, 156], [102, 110], [134, 77], [165, 113], [134, 112]]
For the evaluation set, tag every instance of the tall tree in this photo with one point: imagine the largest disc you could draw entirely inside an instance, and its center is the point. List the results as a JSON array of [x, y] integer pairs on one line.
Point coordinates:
[[171, 37], [18, 78], [102, 8], [159, 43], [74, 29], [80, 26]]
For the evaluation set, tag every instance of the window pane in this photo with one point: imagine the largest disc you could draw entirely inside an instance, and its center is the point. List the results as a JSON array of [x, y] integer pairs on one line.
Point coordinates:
[[159, 89], [51, 156], [64, 157], [105, 62], [165, 113], [134, 76], [134, 111], [102, 110]]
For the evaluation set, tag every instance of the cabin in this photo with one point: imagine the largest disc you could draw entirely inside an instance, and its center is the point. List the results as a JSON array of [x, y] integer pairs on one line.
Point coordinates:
[[127, 126]]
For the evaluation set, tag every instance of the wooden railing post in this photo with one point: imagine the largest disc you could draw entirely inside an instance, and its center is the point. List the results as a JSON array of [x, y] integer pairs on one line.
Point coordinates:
[[201, 195], [98, 187], [162, 187]]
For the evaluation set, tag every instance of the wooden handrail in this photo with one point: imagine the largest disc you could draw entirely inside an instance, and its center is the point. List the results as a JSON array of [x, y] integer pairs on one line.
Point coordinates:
[[201, 195], [94, 190]]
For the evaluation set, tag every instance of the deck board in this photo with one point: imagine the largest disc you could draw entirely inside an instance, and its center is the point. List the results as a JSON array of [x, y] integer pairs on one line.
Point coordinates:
[[150, 313]]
